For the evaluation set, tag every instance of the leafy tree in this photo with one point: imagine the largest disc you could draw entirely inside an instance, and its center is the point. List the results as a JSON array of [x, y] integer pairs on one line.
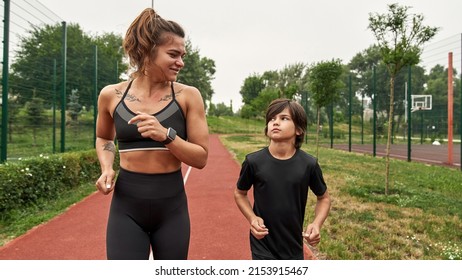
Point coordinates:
[[270, 78], [220, 109], [324, 84], [13, 112], [363, 65], [289, 81], [198, 72], [110, 58], [437, 87], [74, 107], [400, 37], [259, 90], [247, 112], [35, 115], [32, 69], [251, 88], [343, 102], [262, 101]]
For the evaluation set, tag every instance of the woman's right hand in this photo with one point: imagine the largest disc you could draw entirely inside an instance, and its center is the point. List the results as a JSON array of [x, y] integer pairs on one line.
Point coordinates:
[[106, 182]]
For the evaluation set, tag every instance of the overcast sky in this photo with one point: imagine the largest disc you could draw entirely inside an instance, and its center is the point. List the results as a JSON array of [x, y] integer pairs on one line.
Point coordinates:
[[244, 37]]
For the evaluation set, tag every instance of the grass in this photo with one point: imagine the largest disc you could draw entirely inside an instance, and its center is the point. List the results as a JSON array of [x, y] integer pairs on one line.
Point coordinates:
[[420, 218], [17, 223]]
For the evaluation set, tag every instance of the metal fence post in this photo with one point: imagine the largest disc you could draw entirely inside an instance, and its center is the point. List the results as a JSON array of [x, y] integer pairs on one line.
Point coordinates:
[[408, 103], [6, 42], [63, 90], [95, 96]]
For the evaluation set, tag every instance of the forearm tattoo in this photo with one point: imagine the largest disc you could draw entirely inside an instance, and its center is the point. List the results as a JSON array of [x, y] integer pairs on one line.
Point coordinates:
[[109, 146]]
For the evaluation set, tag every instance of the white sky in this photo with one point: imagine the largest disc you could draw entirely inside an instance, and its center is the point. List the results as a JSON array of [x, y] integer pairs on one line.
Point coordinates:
[[252, 36]]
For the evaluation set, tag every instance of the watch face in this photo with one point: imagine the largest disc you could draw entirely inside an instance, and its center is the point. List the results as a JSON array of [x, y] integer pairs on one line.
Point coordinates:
[[171, 133]]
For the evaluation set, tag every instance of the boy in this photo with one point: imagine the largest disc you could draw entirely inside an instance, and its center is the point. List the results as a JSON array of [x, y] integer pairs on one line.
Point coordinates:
[[281, 175]]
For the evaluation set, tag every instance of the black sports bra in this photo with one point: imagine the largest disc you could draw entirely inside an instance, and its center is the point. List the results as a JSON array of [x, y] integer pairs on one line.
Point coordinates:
[[127, 135]]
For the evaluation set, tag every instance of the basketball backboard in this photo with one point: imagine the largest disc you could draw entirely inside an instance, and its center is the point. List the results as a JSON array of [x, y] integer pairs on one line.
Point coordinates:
[[421, 102]]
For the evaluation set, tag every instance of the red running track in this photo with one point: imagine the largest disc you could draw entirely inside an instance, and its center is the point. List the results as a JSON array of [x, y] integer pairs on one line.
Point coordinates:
[[218, 229]]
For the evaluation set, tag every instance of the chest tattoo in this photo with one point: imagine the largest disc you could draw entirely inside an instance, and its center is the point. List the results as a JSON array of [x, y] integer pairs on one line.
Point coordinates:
[[168, 97], [132, 98], [119, 93]]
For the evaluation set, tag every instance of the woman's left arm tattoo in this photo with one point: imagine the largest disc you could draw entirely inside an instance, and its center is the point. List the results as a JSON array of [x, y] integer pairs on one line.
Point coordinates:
[[109, 146]]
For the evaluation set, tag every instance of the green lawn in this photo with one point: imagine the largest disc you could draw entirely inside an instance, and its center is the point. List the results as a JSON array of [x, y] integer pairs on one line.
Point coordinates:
[[420, 218]]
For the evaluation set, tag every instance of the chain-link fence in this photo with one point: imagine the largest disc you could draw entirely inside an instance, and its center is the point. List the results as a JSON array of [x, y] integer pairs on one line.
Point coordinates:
[[52, 73], [49, 103], [420, 100]]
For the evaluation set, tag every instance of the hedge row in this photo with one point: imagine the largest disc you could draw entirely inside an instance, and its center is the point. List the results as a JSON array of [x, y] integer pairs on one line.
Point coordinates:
[[28, 181]]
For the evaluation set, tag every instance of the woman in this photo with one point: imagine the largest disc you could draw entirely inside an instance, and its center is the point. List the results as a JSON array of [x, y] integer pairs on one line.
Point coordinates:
[[158, 124]]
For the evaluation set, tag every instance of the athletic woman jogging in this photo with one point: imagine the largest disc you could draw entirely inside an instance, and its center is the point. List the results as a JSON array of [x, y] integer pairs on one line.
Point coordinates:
[[158, 124]]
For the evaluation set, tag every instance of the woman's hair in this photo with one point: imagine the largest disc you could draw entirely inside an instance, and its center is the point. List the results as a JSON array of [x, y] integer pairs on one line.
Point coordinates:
[[145, 33], [297, 114]]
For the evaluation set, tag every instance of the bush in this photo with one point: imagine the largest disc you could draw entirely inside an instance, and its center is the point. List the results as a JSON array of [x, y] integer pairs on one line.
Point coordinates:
[[28, 181]]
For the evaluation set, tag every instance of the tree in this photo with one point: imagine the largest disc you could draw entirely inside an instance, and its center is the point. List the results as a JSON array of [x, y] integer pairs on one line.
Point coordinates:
[[437, 87], [198, 72], [324, 84], [35, 115], [33, 67], [13, 112], [400, 37], [363, 64], [289, 80], [262, 101], [251, 88], [220, 109], [259, 90], [110, 58], [74, 107]]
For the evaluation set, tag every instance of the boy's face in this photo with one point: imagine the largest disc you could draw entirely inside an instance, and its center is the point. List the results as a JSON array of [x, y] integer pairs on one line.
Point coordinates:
[[281, 127]]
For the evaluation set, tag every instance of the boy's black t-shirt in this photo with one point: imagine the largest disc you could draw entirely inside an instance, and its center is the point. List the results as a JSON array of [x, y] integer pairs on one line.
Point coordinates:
[[280, 196]]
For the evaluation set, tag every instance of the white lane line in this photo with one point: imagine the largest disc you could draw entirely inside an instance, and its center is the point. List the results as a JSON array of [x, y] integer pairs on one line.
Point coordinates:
[[185, 179]]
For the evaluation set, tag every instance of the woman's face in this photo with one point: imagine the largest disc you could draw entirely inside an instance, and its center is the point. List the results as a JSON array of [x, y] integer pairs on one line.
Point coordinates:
[[168, 59]]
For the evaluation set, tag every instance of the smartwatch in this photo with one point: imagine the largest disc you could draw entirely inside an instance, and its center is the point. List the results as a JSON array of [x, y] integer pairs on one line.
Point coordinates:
[[171, 134]]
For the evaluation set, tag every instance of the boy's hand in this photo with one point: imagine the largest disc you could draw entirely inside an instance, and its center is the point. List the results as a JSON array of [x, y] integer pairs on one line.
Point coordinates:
[[258, 228], [312, 235]]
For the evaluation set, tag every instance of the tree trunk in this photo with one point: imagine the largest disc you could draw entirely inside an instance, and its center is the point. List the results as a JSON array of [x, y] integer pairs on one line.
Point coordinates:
[[390, 127]]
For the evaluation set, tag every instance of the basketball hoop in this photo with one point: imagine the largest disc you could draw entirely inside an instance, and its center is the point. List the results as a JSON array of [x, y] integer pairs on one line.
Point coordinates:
[[416, 109], [421, 103]]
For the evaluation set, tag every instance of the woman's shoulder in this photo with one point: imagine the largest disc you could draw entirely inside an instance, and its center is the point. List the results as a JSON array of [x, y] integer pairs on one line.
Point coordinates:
[[180, 88], [189, 98]]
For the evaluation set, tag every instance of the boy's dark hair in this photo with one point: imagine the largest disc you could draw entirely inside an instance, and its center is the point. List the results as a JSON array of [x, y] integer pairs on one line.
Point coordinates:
[[296, 112]]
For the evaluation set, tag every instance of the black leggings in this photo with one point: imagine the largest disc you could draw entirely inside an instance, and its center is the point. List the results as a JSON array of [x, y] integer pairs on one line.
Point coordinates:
[[148, 211]]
